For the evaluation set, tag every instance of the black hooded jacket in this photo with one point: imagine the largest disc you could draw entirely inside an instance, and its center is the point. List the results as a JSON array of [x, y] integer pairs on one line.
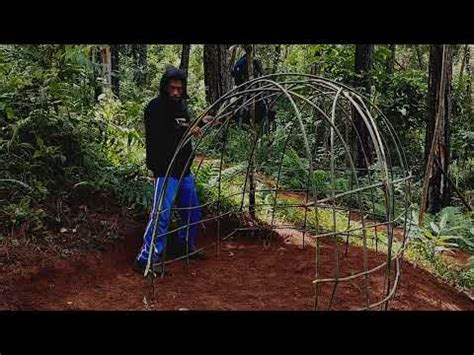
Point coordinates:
[[164, 130]]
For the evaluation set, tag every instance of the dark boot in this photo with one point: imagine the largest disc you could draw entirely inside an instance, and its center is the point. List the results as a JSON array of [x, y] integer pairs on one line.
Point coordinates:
[[157, 268]]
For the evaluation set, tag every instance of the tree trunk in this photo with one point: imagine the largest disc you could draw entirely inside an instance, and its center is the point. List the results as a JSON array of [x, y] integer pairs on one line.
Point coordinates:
[[390, 65], [252, 169], [115, 68], [105, 59], [233, 54], [419, 56], [469, 92], [216, 71], [363, 65], [184, 65], [276, 58], [97, 73], [463, 62], [140, 58], [437, 134], [286, 51]]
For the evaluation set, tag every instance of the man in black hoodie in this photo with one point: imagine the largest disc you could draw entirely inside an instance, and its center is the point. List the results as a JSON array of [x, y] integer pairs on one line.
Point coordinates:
[[166, 121]]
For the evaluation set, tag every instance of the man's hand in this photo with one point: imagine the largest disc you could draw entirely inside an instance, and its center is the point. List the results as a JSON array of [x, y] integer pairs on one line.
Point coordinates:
[[196, 131]]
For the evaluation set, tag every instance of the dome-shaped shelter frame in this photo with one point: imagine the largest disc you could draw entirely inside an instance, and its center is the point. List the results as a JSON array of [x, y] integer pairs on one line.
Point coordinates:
[[313, 103]]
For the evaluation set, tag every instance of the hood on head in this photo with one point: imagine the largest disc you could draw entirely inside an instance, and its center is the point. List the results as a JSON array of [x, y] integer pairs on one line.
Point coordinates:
[[173, 73]]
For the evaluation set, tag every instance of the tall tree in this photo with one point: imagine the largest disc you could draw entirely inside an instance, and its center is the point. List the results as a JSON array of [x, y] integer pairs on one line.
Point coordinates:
[[106, 62], [436, 191], [276, 58], [249, 51], [115, 68], [216, 71], [364, 54], [233, 55], [469, 91], [419, 57], [390, 64], [140, 58], [465, 58], [184, 65], [97, 73]]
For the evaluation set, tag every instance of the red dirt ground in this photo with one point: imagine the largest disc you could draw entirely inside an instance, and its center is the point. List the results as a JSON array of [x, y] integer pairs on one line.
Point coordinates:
[[245, 276]]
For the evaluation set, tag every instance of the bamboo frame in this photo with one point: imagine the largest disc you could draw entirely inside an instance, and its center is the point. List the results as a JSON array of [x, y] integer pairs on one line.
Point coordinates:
[[313, 101]]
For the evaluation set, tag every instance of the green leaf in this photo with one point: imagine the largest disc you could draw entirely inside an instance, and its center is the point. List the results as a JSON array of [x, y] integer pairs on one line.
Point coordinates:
[[427, 233], [439, 249], [468, 242], [16, 182], [444, 219], [434, 227], [10, 113], [40, 142], [449, 237], [455, 228]]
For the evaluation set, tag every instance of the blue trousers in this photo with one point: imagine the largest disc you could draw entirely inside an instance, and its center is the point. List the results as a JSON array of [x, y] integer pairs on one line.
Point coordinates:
[[186, 196]]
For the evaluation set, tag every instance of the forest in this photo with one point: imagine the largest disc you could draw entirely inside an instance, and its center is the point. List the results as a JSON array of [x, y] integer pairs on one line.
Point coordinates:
[[74, 181]]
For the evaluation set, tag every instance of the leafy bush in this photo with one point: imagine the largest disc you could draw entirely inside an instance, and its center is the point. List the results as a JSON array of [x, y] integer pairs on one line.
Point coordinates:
[[402, 98], [56, 138], [448, 230]]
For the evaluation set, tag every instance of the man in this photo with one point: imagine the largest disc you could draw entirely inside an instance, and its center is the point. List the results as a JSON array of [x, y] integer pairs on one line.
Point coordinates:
[[166, 120], [263, 111], [240, 70]]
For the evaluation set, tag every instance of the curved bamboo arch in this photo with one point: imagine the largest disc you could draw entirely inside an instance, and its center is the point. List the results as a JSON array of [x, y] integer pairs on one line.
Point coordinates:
[[308, 93]]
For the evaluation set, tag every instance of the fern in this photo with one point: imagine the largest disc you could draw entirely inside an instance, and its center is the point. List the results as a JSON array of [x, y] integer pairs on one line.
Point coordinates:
[[448, 230]]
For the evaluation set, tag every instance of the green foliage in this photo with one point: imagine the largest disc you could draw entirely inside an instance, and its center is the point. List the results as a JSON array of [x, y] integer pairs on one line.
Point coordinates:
[[41, 137], [57, 138], [196, 87], [402, 98], [462, 165], [463, 175], [462, 110], [452, 273], [22, 213], [54, 133], [207, 185], [448, 230], [334, 61], [232, 182]]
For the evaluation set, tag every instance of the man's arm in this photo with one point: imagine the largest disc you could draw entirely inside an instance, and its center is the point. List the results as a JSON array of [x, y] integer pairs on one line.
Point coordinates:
[[152, 140], [197, 131]]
